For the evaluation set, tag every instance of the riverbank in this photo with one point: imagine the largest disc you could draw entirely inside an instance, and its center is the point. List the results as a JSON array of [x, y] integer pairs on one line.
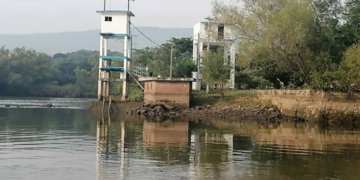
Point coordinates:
[[258, 112], [314, 105], [272, 106], [237, 105]]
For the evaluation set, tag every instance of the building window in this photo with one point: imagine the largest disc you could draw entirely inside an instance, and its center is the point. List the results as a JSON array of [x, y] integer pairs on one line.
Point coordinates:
[[107, 18], [206, 26], [221, 31]]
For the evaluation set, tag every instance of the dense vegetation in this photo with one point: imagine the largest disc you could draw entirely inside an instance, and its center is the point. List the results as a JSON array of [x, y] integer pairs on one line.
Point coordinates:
[[28, 73], [296, 43], [284, 44], [158, 58]]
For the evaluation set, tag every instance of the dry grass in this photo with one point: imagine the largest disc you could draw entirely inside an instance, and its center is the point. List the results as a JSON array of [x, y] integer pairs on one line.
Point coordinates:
[[231, 97]]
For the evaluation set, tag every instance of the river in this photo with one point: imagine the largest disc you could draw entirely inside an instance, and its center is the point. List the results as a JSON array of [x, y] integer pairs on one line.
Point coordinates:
[[61, 143]]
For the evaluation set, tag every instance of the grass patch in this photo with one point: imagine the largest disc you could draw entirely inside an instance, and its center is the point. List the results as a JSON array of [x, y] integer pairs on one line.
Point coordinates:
[[136, 95]]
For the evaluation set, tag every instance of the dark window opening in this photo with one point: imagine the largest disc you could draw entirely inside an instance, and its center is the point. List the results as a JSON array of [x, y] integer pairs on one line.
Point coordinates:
[[109, 19], [213, 48], [221, 30], [206, 26]]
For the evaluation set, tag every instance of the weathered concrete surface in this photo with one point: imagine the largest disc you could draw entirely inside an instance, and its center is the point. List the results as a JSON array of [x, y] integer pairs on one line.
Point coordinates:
[[175, 92], [314, 105]]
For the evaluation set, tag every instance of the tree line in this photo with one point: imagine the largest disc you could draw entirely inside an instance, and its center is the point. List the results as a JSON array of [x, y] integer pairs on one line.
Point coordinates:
[[283, 44], [25, 72], [295, 43]]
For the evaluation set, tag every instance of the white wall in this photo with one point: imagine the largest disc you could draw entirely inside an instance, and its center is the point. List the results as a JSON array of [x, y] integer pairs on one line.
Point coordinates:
[[201, 28], [196, 31], [118, 25]]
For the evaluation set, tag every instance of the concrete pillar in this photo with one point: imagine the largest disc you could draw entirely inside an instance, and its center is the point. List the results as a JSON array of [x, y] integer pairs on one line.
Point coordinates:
[[130, 50], [107, 74], [226, 54], [100, 66], [201, 47], [125, 84], [195, 50], [232, 65]]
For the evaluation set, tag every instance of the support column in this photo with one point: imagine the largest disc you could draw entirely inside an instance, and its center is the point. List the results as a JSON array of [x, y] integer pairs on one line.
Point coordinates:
[[227, 63], [125, 84], [226, 54], [232, 65], [100, 66], [107, 74], [129, 62], [195, 50], [129, 53], [201, 51]]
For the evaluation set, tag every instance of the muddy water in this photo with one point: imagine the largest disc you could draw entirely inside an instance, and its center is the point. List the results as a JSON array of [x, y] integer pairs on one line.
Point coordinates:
[[57, 144]]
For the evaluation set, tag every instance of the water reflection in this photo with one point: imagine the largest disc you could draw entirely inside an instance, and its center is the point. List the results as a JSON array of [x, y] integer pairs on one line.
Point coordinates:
[[68, 144], [224, 150]]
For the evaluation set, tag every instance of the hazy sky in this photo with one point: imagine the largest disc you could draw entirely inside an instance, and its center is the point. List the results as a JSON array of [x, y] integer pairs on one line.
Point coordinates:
[[39, 16]]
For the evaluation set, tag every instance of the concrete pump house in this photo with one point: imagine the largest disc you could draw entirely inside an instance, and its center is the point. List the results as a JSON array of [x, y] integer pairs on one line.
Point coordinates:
[[174, 91]]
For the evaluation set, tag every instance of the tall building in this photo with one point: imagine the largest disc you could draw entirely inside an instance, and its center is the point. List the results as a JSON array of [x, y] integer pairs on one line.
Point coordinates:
[[216, 35], [115, 25]]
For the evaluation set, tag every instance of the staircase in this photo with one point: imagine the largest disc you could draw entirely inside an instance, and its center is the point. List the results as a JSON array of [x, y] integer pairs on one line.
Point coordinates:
[[139, 71]]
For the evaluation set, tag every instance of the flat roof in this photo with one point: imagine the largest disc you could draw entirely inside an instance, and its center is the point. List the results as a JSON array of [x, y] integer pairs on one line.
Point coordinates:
[[215, 22], [166, 79], [115, 12]]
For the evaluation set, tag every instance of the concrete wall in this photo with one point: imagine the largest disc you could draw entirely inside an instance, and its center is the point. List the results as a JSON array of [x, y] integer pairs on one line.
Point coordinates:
[[118, 25], [172, 93], [313, 105], [202, 29]]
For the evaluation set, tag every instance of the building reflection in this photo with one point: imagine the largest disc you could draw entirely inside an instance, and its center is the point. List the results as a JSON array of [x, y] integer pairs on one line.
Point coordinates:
[[111, 153], [169, 142], [168, 132], [210, 147], [211, 150], [205, 147], [289, 136]]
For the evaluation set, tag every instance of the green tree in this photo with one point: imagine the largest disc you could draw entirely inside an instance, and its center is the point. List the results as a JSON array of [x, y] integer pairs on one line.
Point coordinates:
[[274, 36], [215, 70], [85, 82], [345, 77], [351, 67], [158, 58]]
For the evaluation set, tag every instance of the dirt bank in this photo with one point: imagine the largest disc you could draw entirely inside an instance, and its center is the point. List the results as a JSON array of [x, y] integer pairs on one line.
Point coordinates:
[[241, 109]]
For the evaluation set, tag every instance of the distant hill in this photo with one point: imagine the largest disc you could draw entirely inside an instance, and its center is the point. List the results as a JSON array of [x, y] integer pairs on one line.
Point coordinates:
[[52, 43]]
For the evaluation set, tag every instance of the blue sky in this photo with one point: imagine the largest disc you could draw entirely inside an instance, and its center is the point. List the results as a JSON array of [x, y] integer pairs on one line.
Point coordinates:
[[46, 16]]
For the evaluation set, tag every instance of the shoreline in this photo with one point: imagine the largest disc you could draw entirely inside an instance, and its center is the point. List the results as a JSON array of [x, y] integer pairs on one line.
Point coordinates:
[[276, 106]]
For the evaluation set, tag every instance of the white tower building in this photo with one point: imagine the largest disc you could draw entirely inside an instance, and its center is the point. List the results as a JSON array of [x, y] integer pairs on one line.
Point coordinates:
[[115, 25], [217, 35]]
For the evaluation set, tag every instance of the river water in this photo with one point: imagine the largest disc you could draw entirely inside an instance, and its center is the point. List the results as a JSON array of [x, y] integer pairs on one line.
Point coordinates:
[[58, 144]]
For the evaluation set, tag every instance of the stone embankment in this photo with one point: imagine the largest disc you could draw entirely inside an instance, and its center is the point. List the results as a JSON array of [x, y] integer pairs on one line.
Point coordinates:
[[234, 112], [314, 105]]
